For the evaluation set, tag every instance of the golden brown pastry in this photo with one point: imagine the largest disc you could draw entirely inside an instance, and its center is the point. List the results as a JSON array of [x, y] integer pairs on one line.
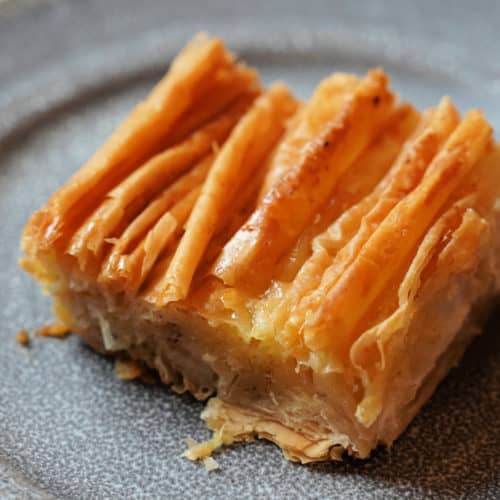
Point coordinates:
[[317, 266]]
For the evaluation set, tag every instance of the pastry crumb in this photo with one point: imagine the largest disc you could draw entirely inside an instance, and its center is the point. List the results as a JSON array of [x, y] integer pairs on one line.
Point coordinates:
[[57, 330], [22, 338], [129, 369], [204, 450], [210, 464]]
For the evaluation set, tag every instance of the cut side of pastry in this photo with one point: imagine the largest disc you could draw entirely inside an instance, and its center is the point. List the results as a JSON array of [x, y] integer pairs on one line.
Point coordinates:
[[316, 268]]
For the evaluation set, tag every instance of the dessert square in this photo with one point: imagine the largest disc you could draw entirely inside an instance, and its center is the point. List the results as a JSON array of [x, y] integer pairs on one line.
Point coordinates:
[[314, 268]]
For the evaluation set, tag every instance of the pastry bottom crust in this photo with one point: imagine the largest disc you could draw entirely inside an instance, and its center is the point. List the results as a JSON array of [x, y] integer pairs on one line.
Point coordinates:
[[240, 424], [311, 417]]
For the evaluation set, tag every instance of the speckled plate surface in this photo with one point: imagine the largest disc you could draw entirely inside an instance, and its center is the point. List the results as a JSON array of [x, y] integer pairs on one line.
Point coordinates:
[[69, 71]]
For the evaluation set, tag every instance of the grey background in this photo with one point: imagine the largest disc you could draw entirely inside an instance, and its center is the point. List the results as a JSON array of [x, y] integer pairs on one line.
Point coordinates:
[[69, 71]]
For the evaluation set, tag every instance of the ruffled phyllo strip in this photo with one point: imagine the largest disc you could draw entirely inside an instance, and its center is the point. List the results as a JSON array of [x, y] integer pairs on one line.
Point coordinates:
[[137, 190], [310, 173], [362, 275], [336, 149], [339, 223], [231, 184], [338, 246]]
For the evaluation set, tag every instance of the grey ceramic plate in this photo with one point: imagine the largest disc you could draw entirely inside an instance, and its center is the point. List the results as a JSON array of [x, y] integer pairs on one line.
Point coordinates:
[[69, 71]]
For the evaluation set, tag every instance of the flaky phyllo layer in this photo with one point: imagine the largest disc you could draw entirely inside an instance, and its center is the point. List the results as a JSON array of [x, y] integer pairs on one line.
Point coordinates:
[[310, 234]]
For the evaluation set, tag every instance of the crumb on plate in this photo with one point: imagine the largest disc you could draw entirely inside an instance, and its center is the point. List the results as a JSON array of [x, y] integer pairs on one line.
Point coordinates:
[[22, 338], [210, 464], [203, 451]]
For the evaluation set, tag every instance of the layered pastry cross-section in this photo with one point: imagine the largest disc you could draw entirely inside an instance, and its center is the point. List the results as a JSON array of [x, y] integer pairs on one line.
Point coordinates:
[[315, 268]]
